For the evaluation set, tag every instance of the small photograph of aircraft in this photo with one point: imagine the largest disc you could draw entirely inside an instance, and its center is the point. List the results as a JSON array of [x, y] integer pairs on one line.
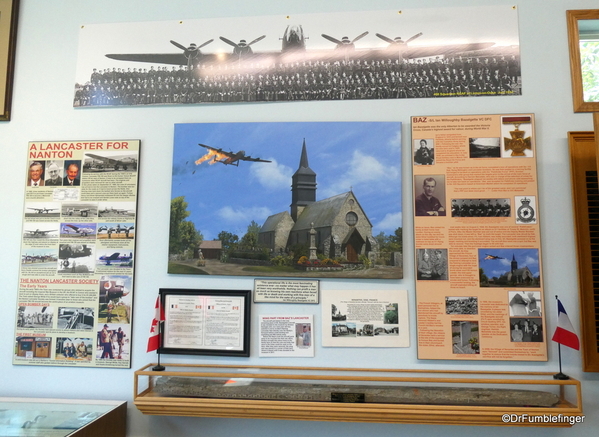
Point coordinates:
[[116, 230], [39, 258], [42, 209], [488, 257], [116, 209], [110, 161], [40, 230], [78, 230], [81, 209], [215, 155], [76, 258], [75, 318], [114, 259], [113, 289]]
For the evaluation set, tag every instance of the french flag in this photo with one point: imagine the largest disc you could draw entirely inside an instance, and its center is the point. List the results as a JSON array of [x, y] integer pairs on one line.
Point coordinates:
[[564, 333]]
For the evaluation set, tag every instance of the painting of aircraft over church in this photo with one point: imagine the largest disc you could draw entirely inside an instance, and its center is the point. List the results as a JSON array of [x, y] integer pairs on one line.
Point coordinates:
[[509, 268], [342, 217], [445, 52]]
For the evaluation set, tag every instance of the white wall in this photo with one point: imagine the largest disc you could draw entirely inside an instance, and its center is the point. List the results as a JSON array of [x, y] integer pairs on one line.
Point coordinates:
[[42, 110]]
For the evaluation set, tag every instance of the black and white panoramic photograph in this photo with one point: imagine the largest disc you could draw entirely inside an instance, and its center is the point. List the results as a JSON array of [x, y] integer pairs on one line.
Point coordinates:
[[418, 53], [481, 207], [484, 148]]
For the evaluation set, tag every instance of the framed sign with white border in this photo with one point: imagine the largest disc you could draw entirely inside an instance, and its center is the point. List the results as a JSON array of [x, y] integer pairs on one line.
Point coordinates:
[[205, 322]]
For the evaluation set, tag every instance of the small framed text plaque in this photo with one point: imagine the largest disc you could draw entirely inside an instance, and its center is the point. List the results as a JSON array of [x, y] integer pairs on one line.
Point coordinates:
[[206, 322], [286, 291]]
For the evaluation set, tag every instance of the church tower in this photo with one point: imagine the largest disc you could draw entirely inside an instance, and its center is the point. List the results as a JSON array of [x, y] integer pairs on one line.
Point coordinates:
[[514, 263], [303, 186]]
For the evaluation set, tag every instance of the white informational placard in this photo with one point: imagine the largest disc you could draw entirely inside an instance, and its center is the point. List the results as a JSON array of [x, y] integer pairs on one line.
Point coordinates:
[[365, 318], [285, 291], [286, 336], [204, 322]]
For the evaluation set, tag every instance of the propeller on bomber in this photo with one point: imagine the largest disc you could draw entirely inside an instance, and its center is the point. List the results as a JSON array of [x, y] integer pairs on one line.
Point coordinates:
[[243, 48], [345, 43], [192, 52], [398, 44], [397, 40]]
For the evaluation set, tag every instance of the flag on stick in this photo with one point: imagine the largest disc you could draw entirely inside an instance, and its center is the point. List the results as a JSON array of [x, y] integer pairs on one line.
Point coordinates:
[[564, 333], [154, 339]]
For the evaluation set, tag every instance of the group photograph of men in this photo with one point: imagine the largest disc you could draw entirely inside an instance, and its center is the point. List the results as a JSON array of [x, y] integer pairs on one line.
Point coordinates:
[[480, 208], [78, 349], [113, 342], [54, 173], [347, 79]]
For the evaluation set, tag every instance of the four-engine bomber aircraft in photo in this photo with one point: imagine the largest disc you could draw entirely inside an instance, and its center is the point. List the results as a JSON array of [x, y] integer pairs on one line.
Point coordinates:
[[39, 233], [43, 210], [215, 155], [117, 259], [81, 231], [293, 49], [108, 164]]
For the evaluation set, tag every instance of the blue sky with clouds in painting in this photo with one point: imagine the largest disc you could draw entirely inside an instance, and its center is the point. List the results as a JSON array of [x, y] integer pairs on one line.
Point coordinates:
[[362, 156]]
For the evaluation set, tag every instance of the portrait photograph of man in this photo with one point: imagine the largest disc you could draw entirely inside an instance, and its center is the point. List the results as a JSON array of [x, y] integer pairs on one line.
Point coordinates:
[[53, 173], [429, 192], [36, 174], [72, 173]]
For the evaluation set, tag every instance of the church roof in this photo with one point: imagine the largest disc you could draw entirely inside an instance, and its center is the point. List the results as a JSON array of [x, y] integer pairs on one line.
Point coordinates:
[[321, 213], [273, 221]]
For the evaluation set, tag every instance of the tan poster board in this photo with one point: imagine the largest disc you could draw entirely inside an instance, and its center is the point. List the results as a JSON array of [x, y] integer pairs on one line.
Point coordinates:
[[75, 293], [479, 288]]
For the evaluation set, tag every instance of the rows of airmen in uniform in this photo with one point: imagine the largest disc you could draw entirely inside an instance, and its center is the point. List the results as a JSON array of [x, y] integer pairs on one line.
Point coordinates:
[[480, 208], [338, 80]]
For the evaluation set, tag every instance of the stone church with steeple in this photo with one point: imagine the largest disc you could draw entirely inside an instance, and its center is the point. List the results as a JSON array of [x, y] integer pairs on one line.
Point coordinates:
[[520, 276], [342, 227]]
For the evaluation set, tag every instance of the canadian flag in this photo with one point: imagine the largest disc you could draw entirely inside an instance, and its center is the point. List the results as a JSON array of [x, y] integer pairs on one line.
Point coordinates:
[[564, 333], [154, 339]]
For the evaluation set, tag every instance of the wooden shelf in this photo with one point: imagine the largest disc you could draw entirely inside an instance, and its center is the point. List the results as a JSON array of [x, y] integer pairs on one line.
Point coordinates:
[[148, 401]]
